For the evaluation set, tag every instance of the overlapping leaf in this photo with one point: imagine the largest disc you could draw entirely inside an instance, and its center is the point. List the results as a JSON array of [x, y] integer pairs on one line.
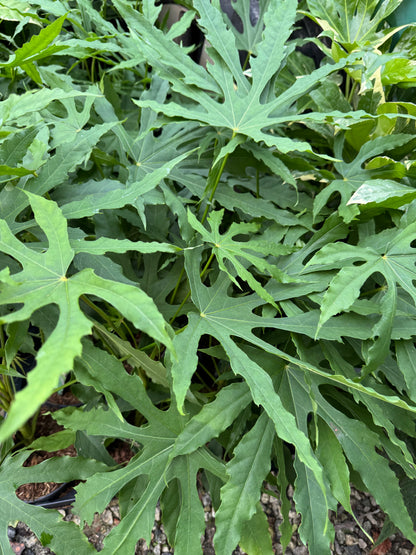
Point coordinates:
[[393, 259], [226, 248], [44, 281], [247, 470], [246, 108], [353, 176], [157, 461], [358, 442], [247, 23], [47, 525], [354, 23]]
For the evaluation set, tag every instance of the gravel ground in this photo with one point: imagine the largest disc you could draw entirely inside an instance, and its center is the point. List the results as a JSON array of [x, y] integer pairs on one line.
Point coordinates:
[[349, 539]]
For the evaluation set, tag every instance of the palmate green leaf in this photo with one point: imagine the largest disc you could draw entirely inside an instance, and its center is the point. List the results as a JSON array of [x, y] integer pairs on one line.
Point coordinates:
[[147, 151], [246, 470], [227, 197], [226, 248], [46, 524], [213, 418], [13, 149], [244, 108], [352, 175], [42, 282], [66, 129], [109, 193], [358, 442], [395, 261], [16, 109], [155, 462], [224, 318], [353, 23], [52, 174], [399, 70], [175, 62]]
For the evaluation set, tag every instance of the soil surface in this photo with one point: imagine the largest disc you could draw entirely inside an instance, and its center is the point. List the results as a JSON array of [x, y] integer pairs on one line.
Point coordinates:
[[349, 538], [46, 426]]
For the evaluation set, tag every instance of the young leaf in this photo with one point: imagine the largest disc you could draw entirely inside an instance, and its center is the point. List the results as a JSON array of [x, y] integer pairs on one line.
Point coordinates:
[[353, 176], [226, 248], [53, 173], [381, 192], [37, 48], [354, 23]]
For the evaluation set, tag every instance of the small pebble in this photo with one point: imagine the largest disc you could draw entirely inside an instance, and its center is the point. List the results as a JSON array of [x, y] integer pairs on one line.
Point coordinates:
[[28, 551], [11, 533], [107, 517], [340, 535], [350, 540], [367, 526], [30, 541], [17, 548]]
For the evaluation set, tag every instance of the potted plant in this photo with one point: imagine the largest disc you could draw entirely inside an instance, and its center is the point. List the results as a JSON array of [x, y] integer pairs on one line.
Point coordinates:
[[222, 256]]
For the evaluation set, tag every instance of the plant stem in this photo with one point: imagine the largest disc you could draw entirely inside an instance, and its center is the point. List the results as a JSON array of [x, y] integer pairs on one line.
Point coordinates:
[[98, 310], [351, 95], [246, 60], [172, 297], [347, 86], [216, 181], [214, 188]]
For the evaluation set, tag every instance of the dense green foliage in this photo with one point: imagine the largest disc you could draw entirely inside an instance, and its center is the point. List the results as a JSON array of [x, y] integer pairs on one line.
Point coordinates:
[[220, 260]]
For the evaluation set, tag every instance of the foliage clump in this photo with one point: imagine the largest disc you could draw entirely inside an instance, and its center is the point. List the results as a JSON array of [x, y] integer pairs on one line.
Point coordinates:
[[219, 259]]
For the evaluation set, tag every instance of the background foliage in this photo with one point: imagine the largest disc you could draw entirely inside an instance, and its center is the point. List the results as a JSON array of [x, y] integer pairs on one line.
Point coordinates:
[[240, 237]]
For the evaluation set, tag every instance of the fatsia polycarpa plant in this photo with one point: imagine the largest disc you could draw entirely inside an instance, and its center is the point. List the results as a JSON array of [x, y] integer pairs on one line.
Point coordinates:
[[217, 258]]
